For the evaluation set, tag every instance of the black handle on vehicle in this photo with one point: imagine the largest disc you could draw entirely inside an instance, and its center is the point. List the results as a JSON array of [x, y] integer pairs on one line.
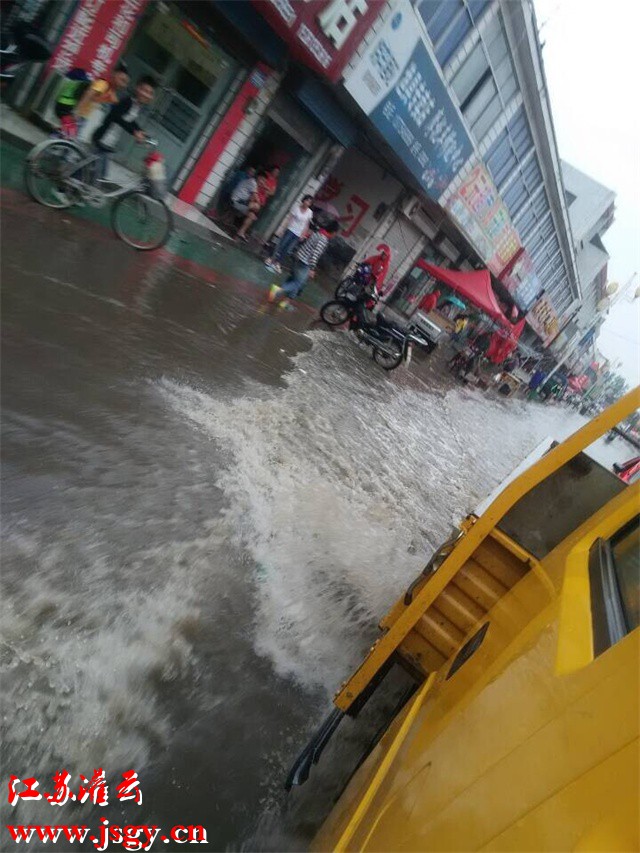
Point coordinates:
[[433, 565]]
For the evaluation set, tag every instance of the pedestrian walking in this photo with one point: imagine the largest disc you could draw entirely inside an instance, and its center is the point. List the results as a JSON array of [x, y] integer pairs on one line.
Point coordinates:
[[296, 229], [304, 267]]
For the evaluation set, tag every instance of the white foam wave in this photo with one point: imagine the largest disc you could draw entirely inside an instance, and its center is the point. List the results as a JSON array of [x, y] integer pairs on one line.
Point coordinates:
[[341, 484]]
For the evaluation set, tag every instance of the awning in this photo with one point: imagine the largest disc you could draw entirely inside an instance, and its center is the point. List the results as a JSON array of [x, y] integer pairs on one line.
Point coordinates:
[[475, 286]]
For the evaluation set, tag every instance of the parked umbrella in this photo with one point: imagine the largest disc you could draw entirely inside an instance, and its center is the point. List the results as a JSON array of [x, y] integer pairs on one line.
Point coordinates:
[[453, 300]]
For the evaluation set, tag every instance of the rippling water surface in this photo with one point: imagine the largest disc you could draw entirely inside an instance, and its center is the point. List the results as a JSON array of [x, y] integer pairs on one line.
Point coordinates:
[[205, 512]]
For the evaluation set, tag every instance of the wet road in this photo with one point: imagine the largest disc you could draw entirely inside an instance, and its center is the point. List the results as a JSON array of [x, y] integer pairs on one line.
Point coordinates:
[[206, 508]]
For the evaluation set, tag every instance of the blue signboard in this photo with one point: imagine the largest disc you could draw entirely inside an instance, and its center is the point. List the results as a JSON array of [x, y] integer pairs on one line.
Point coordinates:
[[401, 91]]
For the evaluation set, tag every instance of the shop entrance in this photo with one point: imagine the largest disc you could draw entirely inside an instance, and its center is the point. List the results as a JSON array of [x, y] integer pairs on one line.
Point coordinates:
[[287, 138], [193, 76], [412, 287], [275, 147]]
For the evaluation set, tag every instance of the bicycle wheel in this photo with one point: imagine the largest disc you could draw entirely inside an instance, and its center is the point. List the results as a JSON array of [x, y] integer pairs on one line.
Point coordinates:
[[141, 221], [47, 173]]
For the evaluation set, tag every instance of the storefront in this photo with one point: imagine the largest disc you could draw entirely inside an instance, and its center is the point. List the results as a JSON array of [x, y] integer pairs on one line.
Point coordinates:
[[358, 193], [193, 74], [285, 136], [416, 282], [200, 60], [231, 92]]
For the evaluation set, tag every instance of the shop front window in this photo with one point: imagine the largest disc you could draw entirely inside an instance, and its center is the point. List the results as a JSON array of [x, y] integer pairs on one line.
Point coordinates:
[[155, 56], [193, 75]]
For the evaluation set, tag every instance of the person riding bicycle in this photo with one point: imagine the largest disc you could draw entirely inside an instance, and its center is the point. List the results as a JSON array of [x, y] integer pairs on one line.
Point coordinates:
[[79, 96], [102, 93], [122, 116]]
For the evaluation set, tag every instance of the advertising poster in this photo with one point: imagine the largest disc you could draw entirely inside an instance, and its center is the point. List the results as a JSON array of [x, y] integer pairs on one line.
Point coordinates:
[[480, 212], [543, 320], [522, 281]]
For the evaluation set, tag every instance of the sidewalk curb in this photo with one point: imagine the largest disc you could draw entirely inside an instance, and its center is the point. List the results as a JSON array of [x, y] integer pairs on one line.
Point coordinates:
[[182, 223]]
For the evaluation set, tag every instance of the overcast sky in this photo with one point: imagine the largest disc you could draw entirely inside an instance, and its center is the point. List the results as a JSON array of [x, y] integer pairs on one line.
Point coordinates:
[[591, 62]]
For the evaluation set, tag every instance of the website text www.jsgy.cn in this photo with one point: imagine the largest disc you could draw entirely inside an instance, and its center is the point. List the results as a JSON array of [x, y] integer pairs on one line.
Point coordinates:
[[132, 837], [95, 791]]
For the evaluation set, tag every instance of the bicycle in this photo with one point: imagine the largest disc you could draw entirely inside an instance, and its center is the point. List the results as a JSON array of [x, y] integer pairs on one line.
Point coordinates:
[[62, 172]]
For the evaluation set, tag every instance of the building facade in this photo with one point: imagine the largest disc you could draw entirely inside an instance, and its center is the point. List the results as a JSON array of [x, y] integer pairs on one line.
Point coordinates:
[[424, 125], [591, 211]]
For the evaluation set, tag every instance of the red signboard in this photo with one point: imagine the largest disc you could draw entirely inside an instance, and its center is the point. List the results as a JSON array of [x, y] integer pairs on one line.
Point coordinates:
[[322, 34], [96, 35]]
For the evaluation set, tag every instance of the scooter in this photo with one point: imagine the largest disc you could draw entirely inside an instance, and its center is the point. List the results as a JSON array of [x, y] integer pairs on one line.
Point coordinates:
[[391, 344]]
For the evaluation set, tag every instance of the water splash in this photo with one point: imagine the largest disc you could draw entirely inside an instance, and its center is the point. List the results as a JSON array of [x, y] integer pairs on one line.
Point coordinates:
[[340, 488]]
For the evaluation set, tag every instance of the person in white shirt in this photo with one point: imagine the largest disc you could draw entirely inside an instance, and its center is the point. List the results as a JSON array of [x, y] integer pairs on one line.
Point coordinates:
[[296, 229]]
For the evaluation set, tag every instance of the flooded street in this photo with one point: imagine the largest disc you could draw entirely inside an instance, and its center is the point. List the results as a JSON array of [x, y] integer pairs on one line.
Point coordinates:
[[206, 508]]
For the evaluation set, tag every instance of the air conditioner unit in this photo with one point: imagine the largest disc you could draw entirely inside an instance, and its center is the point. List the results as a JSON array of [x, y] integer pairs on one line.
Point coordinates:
[[414, 211], [424, 224], [411, 206]]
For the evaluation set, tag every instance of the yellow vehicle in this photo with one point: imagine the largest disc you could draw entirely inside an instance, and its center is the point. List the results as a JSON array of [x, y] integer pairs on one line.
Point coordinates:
[[521, 636]]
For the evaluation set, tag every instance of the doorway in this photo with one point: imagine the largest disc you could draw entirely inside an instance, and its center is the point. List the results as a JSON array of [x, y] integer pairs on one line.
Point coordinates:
[[273, 146], [193, 75]]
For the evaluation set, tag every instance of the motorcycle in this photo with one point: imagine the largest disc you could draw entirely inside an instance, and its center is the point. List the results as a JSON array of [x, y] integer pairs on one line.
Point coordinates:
[[391, 344], [358, 282]]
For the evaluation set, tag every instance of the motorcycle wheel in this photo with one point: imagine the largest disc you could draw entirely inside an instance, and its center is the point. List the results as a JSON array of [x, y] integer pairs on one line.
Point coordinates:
[[387, 361], [334, 313]]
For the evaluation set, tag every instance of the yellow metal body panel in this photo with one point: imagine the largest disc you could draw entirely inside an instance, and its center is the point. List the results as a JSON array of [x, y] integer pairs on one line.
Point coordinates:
[[408, 616], [533, 744]]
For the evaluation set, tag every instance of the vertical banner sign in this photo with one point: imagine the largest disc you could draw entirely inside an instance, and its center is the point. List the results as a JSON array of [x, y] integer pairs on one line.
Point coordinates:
[[481, 213], [323, 34], [96, 35], [543, 320], [398, 87]]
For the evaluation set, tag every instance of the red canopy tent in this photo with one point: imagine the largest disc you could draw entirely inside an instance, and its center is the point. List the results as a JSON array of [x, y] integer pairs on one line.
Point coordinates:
[[475, 286]]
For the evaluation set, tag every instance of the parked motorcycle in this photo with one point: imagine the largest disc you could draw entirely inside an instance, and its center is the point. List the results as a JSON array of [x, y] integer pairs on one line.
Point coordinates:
[[391, 344]]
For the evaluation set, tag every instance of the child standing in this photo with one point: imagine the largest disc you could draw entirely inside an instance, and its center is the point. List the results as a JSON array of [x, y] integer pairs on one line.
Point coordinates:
[[304, 266]]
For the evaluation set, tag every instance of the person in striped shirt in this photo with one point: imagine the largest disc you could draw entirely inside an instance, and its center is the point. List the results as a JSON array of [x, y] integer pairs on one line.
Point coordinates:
[[304, 266]]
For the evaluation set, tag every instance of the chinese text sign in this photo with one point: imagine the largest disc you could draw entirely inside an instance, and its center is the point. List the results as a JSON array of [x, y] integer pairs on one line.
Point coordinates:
[[397, 85]]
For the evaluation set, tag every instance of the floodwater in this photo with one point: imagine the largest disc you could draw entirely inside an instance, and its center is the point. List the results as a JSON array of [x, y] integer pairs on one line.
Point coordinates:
[[206, 508]]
